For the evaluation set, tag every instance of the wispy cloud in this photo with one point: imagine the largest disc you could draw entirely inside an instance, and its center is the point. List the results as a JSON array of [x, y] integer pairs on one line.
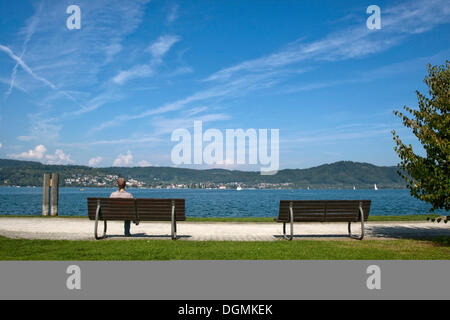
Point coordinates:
[[140, 71], [29, 31], [160, 47], [96, 102], [369, 75], [172, 13], [43, 129], [399, 21], [134, 140], [25, 67], [271, 70], [169, 107], [14, 85], [181, 71], [335, 134], [158, 50], [59, 64], [163, 125], [91, 73]]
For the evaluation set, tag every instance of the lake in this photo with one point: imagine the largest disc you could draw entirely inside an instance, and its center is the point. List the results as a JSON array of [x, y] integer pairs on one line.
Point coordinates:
[[213, 203]]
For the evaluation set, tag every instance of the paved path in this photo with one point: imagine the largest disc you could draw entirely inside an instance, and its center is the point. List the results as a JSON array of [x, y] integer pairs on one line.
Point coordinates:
[[82, 229]]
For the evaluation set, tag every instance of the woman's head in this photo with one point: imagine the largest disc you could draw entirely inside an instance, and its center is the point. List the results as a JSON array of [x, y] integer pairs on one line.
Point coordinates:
[[121, 183]]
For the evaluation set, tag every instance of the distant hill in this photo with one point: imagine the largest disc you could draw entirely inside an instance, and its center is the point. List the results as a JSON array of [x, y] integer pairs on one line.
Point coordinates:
[[344, 174]]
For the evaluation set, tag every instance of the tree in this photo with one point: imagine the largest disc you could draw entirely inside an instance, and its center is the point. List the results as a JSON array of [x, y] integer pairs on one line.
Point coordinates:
[[428, 178]]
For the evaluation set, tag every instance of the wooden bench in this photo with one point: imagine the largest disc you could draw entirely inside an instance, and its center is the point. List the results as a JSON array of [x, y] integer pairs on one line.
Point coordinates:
[[105, 209], [323, 211]]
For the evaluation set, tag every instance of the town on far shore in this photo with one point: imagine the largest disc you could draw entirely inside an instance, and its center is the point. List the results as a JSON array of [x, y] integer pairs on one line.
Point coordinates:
[[110, 180]]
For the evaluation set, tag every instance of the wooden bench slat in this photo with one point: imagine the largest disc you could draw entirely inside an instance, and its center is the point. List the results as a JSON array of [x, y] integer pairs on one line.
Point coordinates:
[[323, 210], [137, 209]]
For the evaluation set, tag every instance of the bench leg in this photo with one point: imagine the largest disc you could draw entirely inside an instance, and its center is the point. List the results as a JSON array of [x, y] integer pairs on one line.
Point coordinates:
[[174, 223], [97, 214], [361, 215], [291, 236]]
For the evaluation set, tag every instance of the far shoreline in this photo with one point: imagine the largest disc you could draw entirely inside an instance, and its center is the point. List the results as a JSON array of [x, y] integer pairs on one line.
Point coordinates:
[[228, 189]]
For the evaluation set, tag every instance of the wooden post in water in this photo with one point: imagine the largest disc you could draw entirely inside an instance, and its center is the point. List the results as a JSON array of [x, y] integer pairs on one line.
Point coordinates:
[[46, 195], [55, 193]]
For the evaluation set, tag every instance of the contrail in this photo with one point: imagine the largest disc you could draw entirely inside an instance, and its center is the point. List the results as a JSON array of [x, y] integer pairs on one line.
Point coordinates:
[[25, 67]]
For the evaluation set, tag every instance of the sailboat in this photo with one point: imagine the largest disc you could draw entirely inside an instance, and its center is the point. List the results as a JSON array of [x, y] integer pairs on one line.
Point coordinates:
[[354, 188], [239, 188], [375, 187]]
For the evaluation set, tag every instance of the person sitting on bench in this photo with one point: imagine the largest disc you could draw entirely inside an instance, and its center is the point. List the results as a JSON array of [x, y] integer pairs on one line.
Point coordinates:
[[121, 183]]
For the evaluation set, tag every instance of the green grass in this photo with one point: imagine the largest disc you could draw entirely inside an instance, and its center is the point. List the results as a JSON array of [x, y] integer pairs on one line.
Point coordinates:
[[20, 249], [411, 217], [417, 217]]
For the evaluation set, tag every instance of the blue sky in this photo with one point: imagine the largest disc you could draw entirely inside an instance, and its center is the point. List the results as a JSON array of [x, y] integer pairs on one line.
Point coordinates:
[[113, 91]]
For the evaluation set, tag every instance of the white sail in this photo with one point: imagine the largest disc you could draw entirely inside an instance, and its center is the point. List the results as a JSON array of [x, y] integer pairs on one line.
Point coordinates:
[[375, 187]]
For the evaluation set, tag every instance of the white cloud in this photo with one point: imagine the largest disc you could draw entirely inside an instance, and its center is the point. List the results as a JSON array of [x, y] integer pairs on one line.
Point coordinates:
[[161, 46], [34, 154], [157, 49], [144, 163], [123, 160], [95, 161], [58, 158], [39, 153], [139, 71]]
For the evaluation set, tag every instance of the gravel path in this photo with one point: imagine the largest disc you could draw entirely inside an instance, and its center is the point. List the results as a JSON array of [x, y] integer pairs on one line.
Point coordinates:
[[82, 229]]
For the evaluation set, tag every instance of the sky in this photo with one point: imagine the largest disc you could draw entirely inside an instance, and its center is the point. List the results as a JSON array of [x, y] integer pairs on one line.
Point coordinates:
[[112, 92]]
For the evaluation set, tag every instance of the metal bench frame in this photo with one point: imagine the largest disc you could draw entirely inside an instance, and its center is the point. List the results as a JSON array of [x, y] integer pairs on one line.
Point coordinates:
[[173, 223], [291, 222]]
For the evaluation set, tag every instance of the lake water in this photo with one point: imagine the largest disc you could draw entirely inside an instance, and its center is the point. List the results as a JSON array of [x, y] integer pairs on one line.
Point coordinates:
[[213, 203]]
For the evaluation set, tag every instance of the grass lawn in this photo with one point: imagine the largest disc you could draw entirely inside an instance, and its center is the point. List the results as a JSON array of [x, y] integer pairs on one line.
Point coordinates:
[[20, 249]]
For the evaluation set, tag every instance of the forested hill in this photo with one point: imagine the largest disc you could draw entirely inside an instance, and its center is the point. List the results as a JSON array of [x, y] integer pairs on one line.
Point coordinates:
[[344, 174]]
